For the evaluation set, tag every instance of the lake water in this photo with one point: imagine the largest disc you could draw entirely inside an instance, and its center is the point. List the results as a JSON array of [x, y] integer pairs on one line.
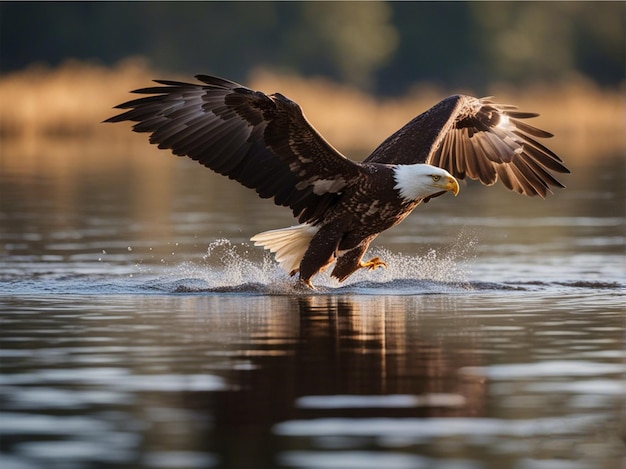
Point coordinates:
[[140, 327]]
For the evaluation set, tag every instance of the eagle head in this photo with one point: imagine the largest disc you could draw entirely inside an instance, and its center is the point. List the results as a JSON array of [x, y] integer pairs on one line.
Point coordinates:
[[418, 181]]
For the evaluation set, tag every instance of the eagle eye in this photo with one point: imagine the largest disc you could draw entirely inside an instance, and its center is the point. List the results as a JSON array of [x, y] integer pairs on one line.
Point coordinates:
[[436, 177]]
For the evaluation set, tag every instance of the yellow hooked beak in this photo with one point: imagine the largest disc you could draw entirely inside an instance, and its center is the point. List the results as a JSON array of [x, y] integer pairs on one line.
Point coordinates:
[[450, 184]]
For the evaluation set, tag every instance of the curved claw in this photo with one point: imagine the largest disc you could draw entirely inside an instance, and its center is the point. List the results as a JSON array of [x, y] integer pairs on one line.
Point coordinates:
[[373, 263]]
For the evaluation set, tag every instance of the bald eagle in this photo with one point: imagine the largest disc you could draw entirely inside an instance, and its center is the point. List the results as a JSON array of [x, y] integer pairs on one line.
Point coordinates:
[[265, 143]]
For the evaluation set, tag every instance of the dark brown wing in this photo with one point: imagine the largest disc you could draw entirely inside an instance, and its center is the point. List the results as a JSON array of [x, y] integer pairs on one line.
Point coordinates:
[[262, 141], [479, 139]]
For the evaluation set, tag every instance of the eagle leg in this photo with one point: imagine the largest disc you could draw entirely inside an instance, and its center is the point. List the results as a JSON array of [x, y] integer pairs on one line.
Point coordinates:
[[349, 262], [321, 251]]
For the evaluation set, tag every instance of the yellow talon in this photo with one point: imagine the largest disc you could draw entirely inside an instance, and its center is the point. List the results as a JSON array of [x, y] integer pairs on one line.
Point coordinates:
[[374, 263]]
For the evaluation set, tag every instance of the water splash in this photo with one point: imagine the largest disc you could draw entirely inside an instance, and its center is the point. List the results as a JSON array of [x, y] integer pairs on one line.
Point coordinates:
[[228, 267], [232, 267]]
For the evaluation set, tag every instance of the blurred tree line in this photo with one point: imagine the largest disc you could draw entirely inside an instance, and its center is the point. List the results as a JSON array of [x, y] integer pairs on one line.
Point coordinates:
[[381, 47]]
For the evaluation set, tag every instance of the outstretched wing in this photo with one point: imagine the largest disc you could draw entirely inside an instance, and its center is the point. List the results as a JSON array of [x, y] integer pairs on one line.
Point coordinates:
[[479, 139], [262, 141]]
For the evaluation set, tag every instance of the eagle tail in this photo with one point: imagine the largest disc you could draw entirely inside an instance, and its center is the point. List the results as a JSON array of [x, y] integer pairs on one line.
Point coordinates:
[[287, 244]]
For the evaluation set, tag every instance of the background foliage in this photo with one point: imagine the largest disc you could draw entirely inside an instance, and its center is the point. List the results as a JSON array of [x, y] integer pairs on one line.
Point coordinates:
[[380, 47]]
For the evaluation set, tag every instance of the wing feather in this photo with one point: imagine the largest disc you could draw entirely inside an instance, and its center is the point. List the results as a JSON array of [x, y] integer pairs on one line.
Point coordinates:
[[458, 155], [508, 178], [262, 141], [530, 130], [479, 139]]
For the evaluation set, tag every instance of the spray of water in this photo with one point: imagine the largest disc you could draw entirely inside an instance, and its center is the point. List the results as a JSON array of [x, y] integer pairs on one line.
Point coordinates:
[[229, 267]]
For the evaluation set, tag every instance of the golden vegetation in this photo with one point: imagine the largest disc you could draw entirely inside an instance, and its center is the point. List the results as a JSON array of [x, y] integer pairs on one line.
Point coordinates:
[[39, 104], [71, 100]]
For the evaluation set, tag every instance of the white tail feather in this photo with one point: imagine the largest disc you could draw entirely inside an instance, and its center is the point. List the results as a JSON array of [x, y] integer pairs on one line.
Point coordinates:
[[287, 244]]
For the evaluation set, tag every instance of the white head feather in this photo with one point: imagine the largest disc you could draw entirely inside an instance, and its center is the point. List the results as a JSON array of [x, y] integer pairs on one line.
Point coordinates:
[[417, 181]]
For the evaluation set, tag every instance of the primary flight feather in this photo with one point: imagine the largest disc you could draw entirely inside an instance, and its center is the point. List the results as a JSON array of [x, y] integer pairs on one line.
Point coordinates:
[[265, 143]]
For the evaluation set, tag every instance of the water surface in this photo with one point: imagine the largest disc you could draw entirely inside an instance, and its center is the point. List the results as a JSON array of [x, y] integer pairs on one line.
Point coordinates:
[[140, 327]]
